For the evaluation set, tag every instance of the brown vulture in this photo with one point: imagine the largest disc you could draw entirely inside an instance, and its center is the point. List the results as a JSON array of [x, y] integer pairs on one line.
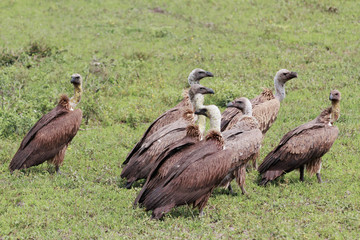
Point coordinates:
[[244, 141], [265, 106], [173, 114], [48, 139], [143, 160], [303, 146], [193, 177], [172, 153]]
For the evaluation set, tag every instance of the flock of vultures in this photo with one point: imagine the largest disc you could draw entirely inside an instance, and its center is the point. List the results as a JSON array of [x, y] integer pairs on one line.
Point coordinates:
[[181, 161]]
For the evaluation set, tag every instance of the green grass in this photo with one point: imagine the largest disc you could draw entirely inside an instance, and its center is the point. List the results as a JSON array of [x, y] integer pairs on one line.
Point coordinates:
[[146, 50]]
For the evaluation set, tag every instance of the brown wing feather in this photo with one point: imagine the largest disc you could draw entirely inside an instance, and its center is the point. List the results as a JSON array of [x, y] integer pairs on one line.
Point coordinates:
[[243, 145], [298, 147], [192, 180], [168, 158], [227, 116], [48, 140], [266, 113], [143, 161], [166, 118], [232, 115]]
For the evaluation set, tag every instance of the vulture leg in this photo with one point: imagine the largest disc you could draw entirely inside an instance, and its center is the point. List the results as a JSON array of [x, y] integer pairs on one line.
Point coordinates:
[[240, 178], [318, 172], [129, 184], [254, 164], [57, 170], [318, 177], [202, 202], [201, 213], [301, 173], [58, 159], [230, 189]]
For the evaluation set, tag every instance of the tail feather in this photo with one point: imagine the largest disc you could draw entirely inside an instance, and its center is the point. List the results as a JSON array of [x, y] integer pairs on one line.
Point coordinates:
[[19, 159]]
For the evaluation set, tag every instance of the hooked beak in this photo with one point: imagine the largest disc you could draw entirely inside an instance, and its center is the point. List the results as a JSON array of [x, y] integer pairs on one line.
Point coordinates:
[[75, 80], [293, 75], [209, 74], [230, 104], [201, 111], [210, 91]]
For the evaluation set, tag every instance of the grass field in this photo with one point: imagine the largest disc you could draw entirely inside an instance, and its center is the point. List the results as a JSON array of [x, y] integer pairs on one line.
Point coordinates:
[[146, 49]]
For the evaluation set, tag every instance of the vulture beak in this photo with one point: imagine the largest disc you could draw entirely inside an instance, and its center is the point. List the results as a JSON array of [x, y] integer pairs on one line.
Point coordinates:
[[209, 91], [201, 111], [230, 104], [75, 80], [209, 74], [331, 97], [293, 75]]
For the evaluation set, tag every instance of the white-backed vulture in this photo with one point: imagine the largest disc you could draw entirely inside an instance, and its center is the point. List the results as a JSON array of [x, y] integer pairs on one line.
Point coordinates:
[[303, 146], [192, 179], [173, 153], [144, 159], [265, 106], [244, 141], [48, 139], [173, 114]]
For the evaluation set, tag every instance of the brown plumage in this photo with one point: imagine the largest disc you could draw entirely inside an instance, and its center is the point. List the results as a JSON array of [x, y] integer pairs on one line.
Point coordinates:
[[188, 175], [171, 115], [49, 137], [244, 141], [265, 106], [144, 159], [191, 180], [303, 146], [170, 156]]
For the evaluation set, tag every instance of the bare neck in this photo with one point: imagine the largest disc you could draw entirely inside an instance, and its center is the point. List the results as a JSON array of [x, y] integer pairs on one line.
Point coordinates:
[[198, 101], [215, 122], [335, 111], [248, 111], [77, 96], [279, 89]]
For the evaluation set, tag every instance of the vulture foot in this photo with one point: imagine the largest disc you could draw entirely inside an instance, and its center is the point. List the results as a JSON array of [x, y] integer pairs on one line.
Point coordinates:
[[243, 190], [129, 184], [57, 170]]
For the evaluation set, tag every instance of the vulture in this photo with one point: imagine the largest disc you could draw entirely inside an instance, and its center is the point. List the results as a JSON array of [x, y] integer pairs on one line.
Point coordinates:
[[48, 139], [265, 106], [173, 114], [303, 146], [244, 141], [193, 177], [143, 160]]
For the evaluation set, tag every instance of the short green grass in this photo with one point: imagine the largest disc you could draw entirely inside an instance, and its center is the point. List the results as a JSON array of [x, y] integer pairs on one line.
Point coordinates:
[[146, 49]]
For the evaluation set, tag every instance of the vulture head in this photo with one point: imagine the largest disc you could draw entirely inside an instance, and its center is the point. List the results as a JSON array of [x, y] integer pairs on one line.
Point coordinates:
[[197, 74], [284, 75], [199, 89], [335, 96], [213, 113], [243, 104], [281, 77], [76, 79]]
